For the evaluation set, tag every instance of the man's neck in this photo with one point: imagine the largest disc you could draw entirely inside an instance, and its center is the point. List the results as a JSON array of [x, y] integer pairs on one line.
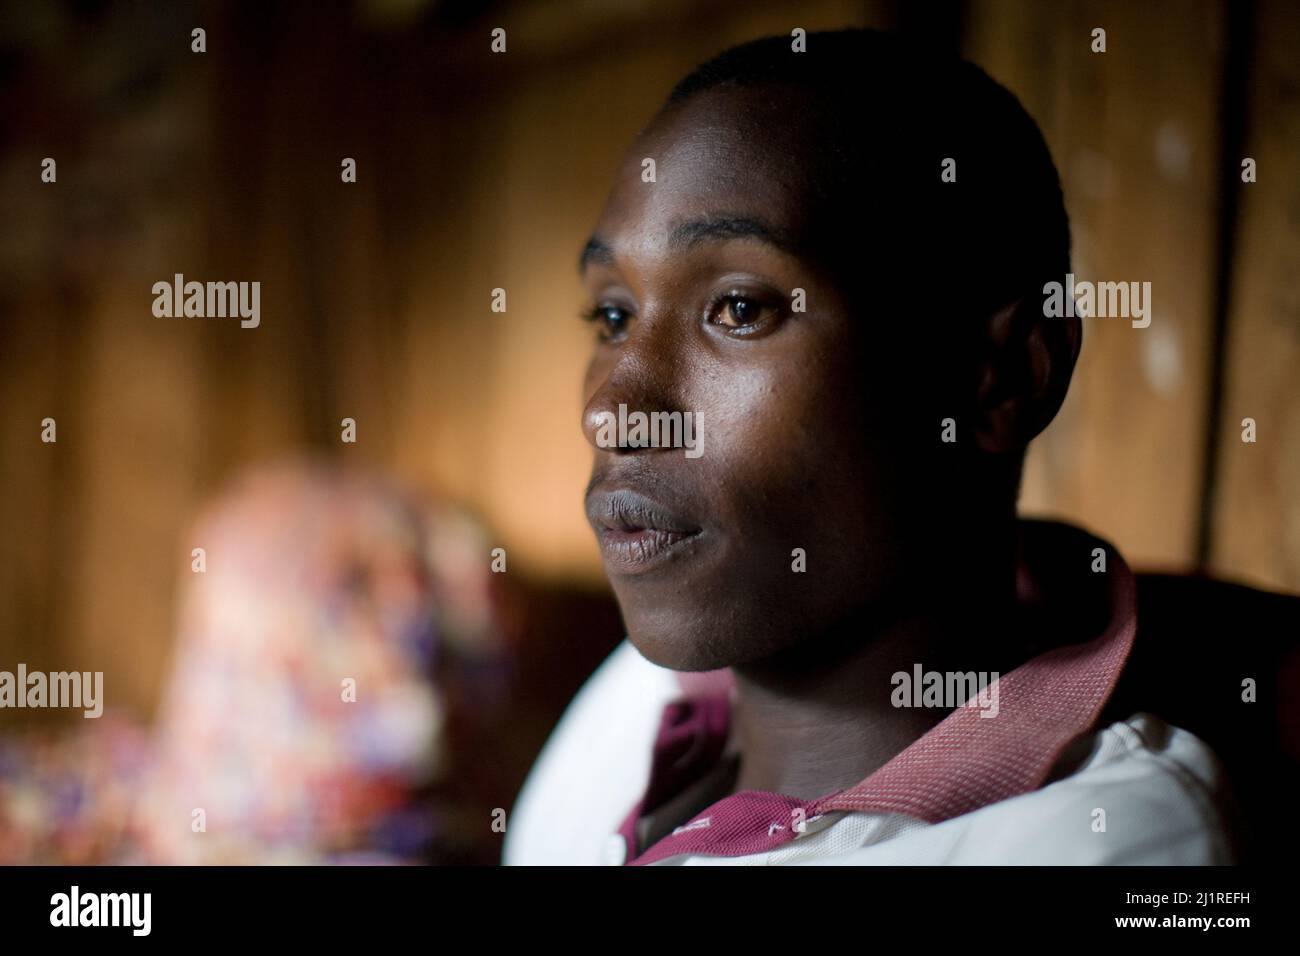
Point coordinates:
[[820, 716]]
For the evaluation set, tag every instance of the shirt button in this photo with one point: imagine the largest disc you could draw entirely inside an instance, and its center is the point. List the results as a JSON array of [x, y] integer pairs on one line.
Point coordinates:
[[615, 850]]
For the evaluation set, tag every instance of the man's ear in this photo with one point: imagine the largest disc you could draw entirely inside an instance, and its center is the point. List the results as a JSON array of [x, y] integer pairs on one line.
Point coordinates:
[[1027, 360]]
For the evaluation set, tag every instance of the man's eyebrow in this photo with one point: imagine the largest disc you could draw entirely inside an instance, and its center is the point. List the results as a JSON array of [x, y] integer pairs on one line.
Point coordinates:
[[598, 251], [728, 227]]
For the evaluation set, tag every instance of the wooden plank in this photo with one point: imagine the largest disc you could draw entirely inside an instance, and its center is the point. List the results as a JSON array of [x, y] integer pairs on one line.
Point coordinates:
[[1257, 509]]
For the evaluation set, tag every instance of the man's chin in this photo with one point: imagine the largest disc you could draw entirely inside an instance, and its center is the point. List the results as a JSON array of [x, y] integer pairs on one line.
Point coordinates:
[[705, 637], [678, 649]]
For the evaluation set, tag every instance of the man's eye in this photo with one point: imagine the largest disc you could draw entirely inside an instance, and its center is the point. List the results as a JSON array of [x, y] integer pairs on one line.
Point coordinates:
[[737, 311], [611, 321]]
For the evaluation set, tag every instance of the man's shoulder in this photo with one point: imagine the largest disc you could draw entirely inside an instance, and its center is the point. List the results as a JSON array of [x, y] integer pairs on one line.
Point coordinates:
[[1149, 793], [1222, 661], [1140, 792], [594, 766]]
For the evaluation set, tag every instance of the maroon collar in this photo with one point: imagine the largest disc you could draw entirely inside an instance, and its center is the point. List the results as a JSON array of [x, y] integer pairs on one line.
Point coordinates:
[[961, 764]]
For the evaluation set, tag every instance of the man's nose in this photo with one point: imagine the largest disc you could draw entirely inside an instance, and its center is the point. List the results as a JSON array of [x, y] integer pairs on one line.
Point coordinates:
[[641, 378]]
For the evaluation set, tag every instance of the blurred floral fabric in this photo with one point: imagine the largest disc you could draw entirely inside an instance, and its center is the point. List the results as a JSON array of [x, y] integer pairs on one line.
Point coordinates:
[[302, 721]]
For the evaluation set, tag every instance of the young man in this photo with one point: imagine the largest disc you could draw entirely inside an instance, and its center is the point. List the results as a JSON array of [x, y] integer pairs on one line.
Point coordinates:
[[832, 264]]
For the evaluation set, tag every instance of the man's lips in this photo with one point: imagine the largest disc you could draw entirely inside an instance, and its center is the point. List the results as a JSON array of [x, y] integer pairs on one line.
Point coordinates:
[[636, 532]]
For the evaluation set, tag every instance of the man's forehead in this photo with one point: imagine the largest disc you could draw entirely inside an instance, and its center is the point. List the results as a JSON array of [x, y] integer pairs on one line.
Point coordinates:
[[729, 140], [708, 178]]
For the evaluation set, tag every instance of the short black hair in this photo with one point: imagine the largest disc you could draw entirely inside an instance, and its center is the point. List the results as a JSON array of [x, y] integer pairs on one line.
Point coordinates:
[[890, 113]]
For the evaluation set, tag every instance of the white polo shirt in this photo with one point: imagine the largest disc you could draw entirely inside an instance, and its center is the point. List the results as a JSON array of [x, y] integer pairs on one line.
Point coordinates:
[[1037, 784]]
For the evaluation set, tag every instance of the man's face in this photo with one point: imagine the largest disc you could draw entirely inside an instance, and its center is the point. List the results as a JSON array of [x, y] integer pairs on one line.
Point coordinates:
[[798, 511]]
